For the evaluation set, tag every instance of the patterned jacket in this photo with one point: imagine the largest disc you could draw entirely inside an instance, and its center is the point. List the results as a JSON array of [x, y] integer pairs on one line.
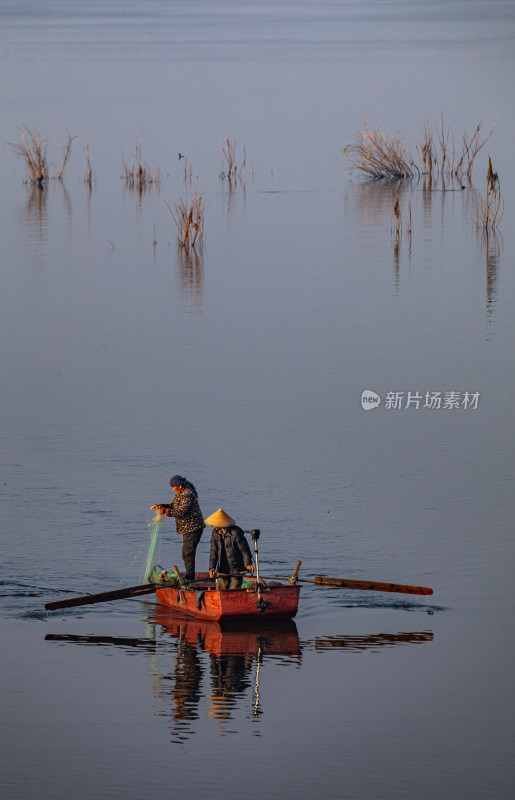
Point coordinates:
[[186, 510]]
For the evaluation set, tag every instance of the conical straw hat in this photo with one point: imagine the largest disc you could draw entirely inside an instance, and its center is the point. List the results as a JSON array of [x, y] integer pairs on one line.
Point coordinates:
[[220, 519]]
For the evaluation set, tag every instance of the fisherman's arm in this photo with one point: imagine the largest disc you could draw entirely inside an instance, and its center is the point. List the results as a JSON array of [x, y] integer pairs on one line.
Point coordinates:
[[163, 508], [244, 549], [213, 557]]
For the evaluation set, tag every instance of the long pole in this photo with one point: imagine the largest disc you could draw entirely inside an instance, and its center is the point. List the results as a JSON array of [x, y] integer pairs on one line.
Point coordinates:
[[261, 604], [347, 583], [103, 597], [255, 537]]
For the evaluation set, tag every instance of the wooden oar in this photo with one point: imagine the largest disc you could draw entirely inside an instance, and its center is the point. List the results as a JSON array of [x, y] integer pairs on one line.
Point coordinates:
[[103, 597], [371, 586]]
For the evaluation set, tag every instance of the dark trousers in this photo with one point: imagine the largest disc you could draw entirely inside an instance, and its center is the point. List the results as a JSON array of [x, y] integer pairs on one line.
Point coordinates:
[[189, 546], [229, 583]]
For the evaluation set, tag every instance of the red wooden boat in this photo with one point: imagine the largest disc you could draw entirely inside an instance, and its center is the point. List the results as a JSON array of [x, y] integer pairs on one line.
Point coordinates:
[[203, 601], [257, 598]]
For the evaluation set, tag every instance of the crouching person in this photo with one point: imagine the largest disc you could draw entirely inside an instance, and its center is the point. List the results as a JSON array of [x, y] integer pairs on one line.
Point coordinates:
[[229, 553]]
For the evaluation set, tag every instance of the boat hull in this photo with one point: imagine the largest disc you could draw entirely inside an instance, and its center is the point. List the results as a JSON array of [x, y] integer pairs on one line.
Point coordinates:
[[280, 602]]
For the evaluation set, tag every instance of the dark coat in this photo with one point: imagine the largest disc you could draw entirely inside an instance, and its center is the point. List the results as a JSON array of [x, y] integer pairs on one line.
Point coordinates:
[[229, 551]]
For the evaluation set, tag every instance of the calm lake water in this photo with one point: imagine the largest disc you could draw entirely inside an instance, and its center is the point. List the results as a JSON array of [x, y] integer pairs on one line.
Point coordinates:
[[242, 366]]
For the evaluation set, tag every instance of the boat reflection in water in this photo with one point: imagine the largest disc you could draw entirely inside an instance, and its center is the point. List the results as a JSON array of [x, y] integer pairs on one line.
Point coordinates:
[[233, 654], [211, 670]]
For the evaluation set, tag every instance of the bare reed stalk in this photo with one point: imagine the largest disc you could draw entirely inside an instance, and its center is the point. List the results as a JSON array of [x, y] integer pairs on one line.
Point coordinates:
[[444, 137], [471, 148], [187, 171], [491, 208], [140, 175], [427, 150], [379, 156], [189, 220], [228, 160], [66, 147], [32, 150]]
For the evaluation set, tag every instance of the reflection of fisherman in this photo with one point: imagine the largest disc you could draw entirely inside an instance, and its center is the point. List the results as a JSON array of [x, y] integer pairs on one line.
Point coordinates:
[[186, 688], [230, 676], [229, 553], [188, 520]]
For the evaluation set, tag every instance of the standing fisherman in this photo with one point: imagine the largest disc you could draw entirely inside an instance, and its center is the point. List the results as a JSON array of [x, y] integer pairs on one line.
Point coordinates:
[[188, 520]]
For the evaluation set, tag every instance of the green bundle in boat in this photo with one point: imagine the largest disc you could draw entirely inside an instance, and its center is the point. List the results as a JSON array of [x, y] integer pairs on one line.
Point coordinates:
[[159, 574]]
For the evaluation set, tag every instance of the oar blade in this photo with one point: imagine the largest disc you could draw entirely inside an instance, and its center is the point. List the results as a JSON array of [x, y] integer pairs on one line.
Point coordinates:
[[371, 586], [103, 597]]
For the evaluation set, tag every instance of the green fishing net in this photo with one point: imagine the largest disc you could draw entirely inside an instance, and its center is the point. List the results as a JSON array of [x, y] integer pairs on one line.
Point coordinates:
[[159, 574]]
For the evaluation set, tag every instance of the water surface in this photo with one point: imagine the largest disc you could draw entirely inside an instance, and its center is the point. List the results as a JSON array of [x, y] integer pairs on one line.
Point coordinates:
[[242, 366]]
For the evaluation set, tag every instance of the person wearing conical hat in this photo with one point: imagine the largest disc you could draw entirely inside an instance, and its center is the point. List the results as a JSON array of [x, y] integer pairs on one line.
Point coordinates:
[[188, 520], [229, 552]]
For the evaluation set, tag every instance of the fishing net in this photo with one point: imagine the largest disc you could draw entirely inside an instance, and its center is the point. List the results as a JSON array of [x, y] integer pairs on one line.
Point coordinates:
[[163, 577], [155, 528], [159, 574]]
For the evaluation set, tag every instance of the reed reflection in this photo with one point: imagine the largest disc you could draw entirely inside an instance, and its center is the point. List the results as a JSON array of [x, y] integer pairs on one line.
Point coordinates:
[[142, 191], [376, 200], [427, 200], [190, 262], [491, 246], [232, 191], [36, 211], [67, 205]]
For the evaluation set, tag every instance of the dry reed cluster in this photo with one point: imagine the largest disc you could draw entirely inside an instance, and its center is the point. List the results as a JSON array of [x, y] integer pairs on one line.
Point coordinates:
[[438, 152], [471, 148], [139, 175], [380, 156], [188, 171], [491, 207], [189, 220], [33, 151], [230, 167]]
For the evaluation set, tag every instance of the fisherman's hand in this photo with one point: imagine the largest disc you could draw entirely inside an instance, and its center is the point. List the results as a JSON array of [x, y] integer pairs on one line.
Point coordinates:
[[159, 508], [211, 573], [250, 569]]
